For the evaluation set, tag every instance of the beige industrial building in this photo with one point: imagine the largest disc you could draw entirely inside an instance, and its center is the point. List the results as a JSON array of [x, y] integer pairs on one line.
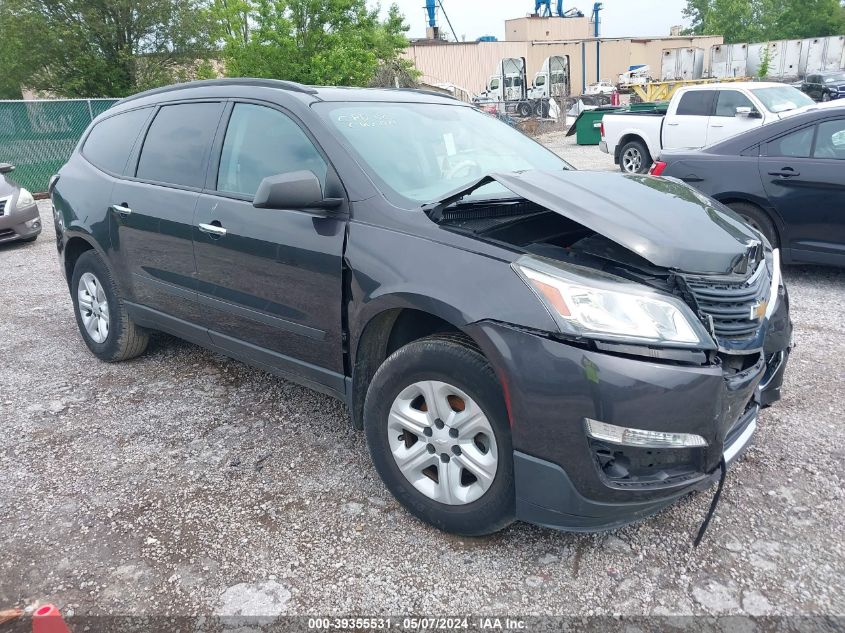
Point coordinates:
[[468, 65]]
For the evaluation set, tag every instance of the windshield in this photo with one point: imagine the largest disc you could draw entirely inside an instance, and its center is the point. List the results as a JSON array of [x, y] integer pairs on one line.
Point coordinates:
[[830, 79], [424, 151], [782, 98]]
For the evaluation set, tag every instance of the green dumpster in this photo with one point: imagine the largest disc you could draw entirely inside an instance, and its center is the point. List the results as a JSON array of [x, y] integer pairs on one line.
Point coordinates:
[[588, 126]]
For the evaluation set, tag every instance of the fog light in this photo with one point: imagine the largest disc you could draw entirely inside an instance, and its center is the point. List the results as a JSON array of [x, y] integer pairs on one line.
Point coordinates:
[[35, 223], [640, 437]]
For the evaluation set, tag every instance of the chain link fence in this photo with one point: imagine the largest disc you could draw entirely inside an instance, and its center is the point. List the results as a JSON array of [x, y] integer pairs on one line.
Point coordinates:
[[38, 136]]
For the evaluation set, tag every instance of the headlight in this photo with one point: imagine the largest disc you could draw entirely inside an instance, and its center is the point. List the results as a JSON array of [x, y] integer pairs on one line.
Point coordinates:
[[25, 199], [588, 303]]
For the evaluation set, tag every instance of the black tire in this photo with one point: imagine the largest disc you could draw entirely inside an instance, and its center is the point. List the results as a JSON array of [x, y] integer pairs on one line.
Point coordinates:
[[631, 149], [826, 97], [125, 339], [757, 219], [454, 359], [523, 109]]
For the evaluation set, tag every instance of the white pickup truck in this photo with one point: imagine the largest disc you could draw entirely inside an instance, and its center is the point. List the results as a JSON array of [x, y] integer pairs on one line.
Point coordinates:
[[697, 116]]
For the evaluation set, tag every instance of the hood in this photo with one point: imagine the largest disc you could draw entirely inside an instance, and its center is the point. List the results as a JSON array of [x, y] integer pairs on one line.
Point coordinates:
[[662, 220]]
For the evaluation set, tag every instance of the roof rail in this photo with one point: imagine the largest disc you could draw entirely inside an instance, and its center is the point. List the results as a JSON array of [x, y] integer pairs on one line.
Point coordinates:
[[291, 86], [423, 91]]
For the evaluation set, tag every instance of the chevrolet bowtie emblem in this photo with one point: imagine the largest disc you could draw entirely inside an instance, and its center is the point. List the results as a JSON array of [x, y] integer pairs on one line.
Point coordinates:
[[758, 310]]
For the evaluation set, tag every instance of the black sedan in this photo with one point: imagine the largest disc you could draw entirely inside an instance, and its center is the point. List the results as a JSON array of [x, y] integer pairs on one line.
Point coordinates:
[[786, 179], [825, 86]]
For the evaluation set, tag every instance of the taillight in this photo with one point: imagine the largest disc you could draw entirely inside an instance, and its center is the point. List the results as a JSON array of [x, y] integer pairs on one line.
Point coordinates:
[[601, 129], [657, 168]]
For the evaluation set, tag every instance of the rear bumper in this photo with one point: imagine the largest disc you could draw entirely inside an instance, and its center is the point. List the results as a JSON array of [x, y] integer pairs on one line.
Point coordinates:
[[603, 147], [20, 224]]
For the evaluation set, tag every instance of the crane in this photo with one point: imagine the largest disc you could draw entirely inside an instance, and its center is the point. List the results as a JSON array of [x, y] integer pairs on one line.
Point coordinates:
[[543, 8], [431, 9]]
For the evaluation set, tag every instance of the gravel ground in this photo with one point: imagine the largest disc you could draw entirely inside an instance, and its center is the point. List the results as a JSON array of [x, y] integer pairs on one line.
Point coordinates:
[[186, 483], [580, 156]]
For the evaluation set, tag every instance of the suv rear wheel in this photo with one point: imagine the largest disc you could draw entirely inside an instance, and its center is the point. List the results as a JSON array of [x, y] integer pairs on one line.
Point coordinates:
[[100, 314], [438, 433]]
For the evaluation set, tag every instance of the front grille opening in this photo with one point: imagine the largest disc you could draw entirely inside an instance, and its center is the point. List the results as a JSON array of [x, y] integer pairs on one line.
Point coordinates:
[[732, 307]]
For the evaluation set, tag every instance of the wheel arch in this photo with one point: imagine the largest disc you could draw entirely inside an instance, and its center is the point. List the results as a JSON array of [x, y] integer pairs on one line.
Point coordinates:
[[381, 335], [627, 137], [76, 245]]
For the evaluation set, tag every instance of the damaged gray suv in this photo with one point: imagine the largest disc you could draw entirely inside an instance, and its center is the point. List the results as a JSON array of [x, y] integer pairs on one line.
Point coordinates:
[[517, 339]]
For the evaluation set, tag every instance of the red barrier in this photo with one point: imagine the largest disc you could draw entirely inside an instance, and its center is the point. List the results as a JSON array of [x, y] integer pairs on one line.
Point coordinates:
[[47, 619]]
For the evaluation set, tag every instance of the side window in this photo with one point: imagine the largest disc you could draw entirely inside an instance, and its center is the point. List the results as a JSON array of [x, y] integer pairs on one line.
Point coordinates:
[[263, 142], [696, 103], [111, 140], [175, 149], [793, 145], [729, 100], [494, 84], [540, 81], [830, 140]]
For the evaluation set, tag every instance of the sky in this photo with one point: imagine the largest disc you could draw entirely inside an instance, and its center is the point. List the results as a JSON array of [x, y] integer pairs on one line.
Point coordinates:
[[473, 18]]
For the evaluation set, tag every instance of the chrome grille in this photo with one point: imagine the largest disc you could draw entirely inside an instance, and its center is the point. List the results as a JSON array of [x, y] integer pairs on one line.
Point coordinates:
[[3, 202], [735, 306]]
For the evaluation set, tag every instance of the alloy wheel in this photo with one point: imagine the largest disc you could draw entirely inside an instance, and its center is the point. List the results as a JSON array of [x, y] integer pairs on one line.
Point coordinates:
[[632, 159], [93, 307], [442, 442]]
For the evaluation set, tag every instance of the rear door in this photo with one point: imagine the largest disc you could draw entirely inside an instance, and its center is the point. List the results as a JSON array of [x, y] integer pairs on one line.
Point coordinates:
[[153, 209], [270, 279], [686, 126], [725, 121], [803, 175]]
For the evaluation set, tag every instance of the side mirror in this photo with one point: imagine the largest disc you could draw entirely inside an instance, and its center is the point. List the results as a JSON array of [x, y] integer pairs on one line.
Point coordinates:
[[747, 111], [5, 168], [293, 190]]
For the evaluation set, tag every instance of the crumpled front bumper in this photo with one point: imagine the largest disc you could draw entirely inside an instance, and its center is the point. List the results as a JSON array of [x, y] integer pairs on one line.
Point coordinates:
[[552, 386]]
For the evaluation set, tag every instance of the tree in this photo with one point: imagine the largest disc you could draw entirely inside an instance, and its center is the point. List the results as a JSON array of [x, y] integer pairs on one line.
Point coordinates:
[[328, 42], [765, 20], [96, 48]]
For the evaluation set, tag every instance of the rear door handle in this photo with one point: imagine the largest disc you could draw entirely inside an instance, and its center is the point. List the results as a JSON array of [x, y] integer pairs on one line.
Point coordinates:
[[122, 210], [673, 124], [716, 125], [212, 229], [786, 172]]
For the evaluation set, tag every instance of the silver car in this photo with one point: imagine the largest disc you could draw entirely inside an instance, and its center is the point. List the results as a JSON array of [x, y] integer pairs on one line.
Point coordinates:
[[19, 219]]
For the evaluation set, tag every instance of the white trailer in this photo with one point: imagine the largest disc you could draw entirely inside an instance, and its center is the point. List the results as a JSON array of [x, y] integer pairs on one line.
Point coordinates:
[[682, 64]]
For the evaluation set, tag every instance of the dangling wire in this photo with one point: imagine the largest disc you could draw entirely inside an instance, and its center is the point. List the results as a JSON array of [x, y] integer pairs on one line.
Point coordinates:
[[724, 468]]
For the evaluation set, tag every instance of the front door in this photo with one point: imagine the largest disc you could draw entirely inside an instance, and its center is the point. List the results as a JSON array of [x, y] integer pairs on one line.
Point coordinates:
[[270, 279], [725, 121], [154, 209], [803, 176]]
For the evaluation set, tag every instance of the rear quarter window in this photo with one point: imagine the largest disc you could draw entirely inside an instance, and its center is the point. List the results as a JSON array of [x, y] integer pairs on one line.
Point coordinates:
[[696, 103], [111, 140]]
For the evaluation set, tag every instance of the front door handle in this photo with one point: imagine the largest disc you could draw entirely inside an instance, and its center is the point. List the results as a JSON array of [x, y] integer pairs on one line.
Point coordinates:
[[121, 209], [716, 125], [786, 172], [212, 229]]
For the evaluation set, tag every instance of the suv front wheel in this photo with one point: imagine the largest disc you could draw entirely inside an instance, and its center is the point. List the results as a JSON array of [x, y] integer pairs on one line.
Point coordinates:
[[100, 314], [438, 433]]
